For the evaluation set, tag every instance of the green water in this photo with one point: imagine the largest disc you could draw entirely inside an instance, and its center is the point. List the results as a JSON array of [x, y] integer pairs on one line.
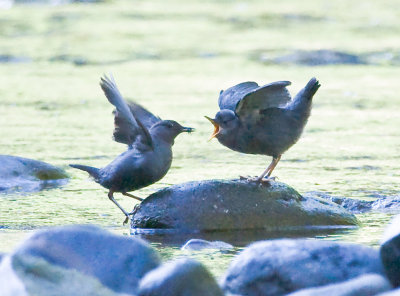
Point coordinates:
[[173, 57]]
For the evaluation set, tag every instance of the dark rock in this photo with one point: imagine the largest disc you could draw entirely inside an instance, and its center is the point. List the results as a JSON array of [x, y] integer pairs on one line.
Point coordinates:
[[235, 205], [365, 285], [22, 275], [390, 251], [314, 58], [179, 278], [18, 174], [279, 267], [118, 262], [381, 204], [200, 244], [4, 58]]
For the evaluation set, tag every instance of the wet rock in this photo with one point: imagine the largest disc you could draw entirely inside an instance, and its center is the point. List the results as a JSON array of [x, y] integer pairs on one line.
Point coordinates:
[[382, 203], [365, 285], [18, 174], [76, 60], [22, 275], [314, 58], [179, 278], [118, 262], [5, 58], [235, 205], [200, 244], [279, 267], [390, 251]]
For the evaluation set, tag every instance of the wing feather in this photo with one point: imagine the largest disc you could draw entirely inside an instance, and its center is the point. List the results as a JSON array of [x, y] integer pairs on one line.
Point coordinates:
[[128, 127]]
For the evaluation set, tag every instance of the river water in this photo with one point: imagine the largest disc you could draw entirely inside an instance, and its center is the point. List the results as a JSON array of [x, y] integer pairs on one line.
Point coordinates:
[[52, 109]]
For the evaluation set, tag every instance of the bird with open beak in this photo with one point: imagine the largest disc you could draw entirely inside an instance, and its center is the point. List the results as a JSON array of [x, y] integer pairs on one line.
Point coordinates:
[[263, 120]]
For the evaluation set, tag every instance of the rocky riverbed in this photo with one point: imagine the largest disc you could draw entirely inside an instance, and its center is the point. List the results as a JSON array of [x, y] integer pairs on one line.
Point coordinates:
[[87, 260]]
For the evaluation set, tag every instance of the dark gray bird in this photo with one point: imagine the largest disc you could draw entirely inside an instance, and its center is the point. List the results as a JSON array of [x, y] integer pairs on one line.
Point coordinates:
[[150, 140], [262, 119]]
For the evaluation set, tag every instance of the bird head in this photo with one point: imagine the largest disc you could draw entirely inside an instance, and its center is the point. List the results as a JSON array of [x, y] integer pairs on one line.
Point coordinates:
[[225, 121], [168, 130]]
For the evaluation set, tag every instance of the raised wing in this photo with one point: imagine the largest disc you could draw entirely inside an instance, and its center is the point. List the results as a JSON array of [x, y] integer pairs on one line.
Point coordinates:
[[271, 95], [123, 132], [130, 126], [229, 98]]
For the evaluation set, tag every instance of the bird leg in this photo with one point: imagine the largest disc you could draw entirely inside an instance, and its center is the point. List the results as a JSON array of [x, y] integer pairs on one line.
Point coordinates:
[[267, 172], [131, 195], [111, 197]]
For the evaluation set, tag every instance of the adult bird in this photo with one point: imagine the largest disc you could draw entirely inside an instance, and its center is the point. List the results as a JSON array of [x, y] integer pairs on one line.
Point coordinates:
[[149, 153], [264, 120]]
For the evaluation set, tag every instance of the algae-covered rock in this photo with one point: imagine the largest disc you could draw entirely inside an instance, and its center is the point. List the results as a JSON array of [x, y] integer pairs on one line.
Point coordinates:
[[18, 174], [235, 205]]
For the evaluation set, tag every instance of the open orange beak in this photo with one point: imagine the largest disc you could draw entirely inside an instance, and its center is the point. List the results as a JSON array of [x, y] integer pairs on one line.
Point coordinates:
[[216, 128]]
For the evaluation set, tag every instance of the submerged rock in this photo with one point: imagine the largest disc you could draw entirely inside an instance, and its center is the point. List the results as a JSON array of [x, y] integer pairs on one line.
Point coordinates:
[[22, 275], [314, 58], [18, 174], [180, 277], [279, 267], [365, 285], [390, 251], [381, 204], [118, 262], [235, 205], [196, 244]]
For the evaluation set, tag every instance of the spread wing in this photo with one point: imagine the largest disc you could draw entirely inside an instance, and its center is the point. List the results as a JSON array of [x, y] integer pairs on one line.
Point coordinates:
[[229, 98], [128, 126], [273, 95], [123, 132]]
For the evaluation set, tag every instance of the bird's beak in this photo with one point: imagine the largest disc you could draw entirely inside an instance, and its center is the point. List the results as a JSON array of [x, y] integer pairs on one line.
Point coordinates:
[[187, 129], [216, 128]]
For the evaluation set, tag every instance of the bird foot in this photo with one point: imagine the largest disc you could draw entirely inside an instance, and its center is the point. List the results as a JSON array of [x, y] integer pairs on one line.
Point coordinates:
[[266, 181], [135, 209]]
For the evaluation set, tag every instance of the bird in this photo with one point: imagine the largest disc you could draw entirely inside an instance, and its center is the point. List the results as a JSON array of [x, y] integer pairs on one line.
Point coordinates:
[[149, 154], [262, 120]]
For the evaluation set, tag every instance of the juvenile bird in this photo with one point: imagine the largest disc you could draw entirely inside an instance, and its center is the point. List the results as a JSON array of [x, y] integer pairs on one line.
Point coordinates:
[[149, 153], [264, 120]]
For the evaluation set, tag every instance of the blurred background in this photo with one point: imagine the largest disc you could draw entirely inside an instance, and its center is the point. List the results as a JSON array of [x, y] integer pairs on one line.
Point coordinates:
[[174, 57]]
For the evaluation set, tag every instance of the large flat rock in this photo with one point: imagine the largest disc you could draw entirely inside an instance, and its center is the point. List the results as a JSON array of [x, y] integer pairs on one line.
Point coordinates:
[[236, 205]]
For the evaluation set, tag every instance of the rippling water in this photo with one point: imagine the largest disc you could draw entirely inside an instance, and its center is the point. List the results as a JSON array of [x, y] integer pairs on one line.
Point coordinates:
[[175, 63]]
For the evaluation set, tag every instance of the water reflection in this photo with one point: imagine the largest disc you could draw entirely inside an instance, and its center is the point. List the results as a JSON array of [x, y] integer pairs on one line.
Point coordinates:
[[238, 238]]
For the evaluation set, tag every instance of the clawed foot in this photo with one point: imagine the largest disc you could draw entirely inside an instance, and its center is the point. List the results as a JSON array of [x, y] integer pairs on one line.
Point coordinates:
[[258, 180], [135, 209]]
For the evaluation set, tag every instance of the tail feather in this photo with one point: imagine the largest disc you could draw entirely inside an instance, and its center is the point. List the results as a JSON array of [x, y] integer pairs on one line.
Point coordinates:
[[94, 172]]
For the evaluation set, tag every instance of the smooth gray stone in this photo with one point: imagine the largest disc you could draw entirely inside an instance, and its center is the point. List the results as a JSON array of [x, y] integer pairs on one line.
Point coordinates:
[[119, 262], [179, 278], [200, 244], [365, 285], [235, 205], [18, 174], [23, 275], [390, 251], [278, 267]]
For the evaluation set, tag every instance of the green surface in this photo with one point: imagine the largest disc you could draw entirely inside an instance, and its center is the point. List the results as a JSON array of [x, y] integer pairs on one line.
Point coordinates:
[[173, 57]]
